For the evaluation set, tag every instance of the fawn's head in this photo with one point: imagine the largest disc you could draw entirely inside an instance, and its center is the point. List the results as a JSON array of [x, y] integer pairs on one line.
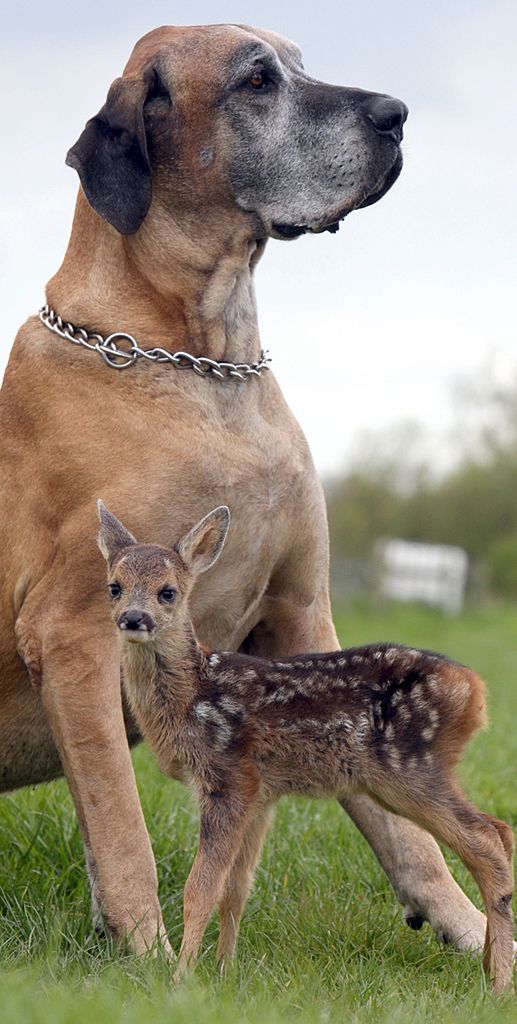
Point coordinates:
[[149, 585]]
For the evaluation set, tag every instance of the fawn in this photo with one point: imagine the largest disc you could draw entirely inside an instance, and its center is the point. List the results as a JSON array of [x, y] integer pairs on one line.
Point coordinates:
[[242, 731]]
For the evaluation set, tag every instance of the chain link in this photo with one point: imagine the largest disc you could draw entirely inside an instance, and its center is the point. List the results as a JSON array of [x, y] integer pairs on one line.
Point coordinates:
[[122, 358]]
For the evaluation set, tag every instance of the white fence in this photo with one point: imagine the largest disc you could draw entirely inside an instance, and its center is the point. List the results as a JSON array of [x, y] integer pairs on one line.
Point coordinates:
[[433, 573]]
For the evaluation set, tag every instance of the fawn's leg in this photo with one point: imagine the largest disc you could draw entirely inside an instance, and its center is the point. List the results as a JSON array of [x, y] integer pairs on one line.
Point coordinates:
[[506, 837], [223, 821], [477, 839], [238, 883]]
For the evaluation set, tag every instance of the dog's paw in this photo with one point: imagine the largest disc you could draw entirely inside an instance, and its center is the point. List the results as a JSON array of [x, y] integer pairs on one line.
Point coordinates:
[[414, 921], [413, 917]]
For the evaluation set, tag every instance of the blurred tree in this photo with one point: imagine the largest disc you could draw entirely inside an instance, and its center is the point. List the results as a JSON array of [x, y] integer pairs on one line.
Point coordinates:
[[502, 560], [393, 488]]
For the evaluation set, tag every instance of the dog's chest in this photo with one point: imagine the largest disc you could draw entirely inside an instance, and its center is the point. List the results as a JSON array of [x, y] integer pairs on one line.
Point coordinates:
[[261, 473], [254, 463]]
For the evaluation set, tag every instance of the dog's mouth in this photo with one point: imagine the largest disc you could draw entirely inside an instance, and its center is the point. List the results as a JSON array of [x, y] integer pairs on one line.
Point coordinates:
[[288, 232], [389, 180]]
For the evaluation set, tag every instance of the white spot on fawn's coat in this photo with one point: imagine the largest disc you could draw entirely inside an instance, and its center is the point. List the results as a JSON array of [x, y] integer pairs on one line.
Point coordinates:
[[206, 712]]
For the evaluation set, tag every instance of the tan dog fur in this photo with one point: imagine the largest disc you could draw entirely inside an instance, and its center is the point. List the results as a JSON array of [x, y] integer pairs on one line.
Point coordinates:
[[161, 447]]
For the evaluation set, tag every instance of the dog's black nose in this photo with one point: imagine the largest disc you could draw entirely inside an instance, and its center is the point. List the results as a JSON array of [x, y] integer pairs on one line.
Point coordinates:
[[133, 620], [387, 116]]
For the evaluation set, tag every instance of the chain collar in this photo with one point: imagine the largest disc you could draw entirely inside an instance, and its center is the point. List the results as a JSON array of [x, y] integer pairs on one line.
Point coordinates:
[[121, 358]]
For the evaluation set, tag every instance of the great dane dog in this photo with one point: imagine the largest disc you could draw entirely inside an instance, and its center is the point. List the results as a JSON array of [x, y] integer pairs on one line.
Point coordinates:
[[213, 141]]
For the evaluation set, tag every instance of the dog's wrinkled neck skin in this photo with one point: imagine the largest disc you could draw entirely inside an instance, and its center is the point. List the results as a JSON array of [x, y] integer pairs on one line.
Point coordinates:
[[154, 289]]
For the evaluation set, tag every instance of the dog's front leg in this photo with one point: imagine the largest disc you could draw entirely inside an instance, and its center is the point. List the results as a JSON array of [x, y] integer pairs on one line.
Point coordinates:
[[93, 878], [81, 695]]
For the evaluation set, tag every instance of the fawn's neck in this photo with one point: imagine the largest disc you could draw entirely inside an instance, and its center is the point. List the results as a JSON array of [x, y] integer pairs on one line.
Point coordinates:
[[162, 679]]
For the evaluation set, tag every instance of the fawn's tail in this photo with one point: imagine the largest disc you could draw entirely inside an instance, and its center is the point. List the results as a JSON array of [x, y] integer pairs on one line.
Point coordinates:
[[463, 698]]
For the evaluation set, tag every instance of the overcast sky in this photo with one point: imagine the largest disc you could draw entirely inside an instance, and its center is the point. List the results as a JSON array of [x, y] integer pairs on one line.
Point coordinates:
[[366, 327]]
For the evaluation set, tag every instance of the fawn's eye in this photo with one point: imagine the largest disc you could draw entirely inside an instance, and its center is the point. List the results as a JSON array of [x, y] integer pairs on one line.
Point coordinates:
[[167, 595], [115, 590]]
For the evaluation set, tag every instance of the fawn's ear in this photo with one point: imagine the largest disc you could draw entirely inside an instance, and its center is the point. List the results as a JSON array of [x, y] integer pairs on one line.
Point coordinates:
[[200, 548], [113, 537]]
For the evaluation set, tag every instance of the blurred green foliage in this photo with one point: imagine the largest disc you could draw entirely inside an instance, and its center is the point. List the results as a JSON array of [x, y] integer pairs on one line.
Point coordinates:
[[392, 491]]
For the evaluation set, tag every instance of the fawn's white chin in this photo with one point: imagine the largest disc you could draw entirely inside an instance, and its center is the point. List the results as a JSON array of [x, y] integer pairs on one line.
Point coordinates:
[[137, 637]]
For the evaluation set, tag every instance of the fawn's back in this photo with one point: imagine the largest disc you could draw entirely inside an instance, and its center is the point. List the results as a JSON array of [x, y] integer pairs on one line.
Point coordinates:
[[319, 723]]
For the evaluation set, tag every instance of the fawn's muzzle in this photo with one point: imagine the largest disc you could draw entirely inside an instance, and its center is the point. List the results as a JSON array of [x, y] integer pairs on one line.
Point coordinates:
[[135, 621]]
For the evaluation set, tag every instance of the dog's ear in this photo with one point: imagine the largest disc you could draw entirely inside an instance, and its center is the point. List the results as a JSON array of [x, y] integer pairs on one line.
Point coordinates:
[[113, 537], [111, 156]]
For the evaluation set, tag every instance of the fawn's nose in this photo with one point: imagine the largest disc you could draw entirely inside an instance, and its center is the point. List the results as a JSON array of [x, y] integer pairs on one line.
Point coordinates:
[[136, 621], [388, 116]]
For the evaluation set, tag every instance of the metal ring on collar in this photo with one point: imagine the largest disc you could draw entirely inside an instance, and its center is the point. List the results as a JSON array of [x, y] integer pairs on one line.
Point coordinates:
[[111, 353]]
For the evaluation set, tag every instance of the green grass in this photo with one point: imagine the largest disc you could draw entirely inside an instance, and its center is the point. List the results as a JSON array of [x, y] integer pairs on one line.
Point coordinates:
[[322, 939]]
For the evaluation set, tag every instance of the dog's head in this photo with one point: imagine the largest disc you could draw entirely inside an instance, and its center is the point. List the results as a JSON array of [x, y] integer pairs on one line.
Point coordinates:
[[224, 116]]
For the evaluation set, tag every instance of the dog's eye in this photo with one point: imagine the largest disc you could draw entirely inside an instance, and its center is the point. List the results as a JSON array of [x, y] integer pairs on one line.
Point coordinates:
[[259, 80], [115, 590], [167, 595]]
